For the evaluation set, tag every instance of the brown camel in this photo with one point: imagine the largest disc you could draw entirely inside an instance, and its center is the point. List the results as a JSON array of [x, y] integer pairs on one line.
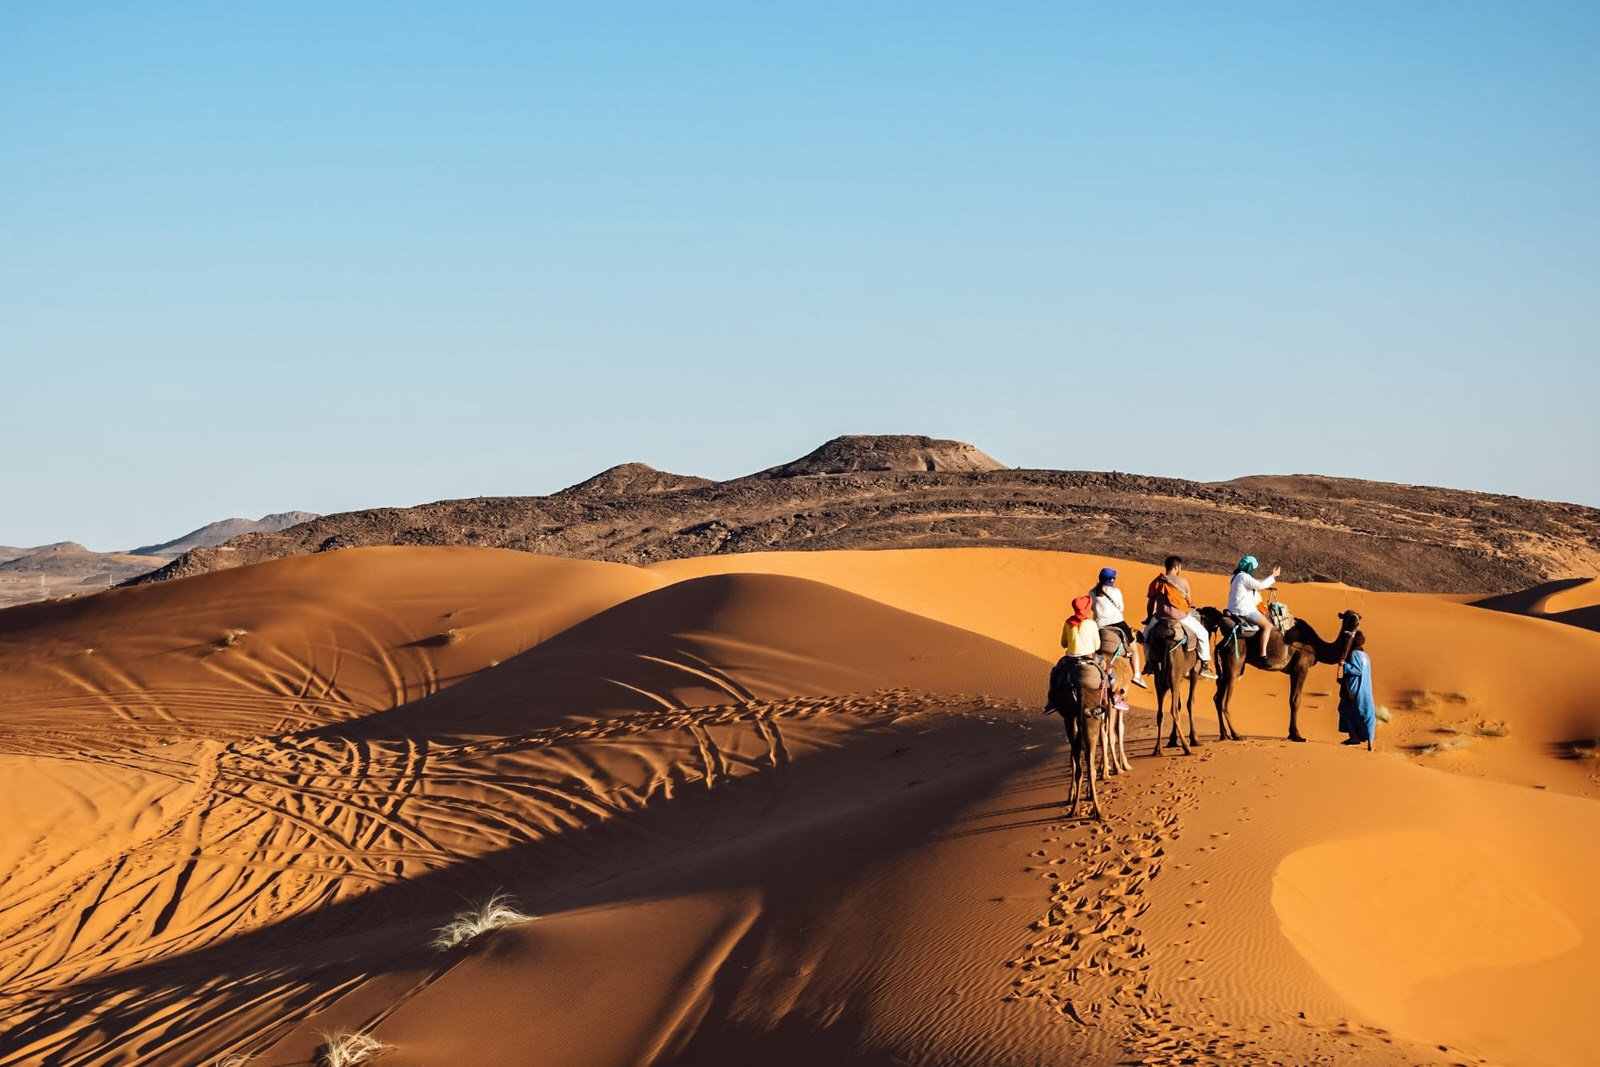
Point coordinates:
[[1076, 694], [1172, 662], [1293, 653], [1114, 727]]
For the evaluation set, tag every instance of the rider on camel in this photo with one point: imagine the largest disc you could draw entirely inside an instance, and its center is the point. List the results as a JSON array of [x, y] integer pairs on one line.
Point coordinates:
[[1169, 597], [1108, 614], [1244, 596]]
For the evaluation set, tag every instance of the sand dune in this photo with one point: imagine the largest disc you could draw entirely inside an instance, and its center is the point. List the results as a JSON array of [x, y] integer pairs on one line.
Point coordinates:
[[1574, 601], [798, 808]]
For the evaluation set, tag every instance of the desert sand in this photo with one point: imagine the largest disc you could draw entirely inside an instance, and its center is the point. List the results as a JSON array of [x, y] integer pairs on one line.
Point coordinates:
[[791, 808]]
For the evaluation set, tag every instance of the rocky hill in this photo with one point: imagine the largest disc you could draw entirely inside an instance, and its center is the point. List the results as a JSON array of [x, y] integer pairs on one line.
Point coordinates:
[[878, 492], [66, 568], [216, 533]]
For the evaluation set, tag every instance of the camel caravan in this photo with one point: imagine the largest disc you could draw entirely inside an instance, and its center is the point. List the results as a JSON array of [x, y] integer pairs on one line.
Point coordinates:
[[1181, 644]]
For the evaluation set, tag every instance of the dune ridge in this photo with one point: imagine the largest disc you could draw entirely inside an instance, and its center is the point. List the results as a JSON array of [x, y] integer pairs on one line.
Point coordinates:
[[800, 807]]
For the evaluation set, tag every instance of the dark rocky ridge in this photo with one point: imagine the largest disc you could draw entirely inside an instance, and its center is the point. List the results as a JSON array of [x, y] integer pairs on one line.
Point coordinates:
[[1371, 534]]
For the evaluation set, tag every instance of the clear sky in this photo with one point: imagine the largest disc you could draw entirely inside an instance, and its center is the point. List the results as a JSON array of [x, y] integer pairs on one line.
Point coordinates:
[[258, 257]]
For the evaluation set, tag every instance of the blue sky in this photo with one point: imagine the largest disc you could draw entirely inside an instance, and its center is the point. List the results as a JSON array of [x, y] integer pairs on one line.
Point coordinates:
[[336, 255]]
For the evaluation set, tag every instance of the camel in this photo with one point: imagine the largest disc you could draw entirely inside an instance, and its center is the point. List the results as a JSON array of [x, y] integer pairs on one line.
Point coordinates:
[[1077, 696], [1293, 653], [1114, 727], [1172, 662]]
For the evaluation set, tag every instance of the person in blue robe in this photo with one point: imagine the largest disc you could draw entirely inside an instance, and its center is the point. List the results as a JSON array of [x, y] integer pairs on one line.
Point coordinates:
[[1358, 714]]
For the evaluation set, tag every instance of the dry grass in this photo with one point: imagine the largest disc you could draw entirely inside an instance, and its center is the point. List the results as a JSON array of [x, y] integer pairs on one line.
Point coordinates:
[[1493, 729], [1450, 745], [1430, 701], [492, 914], [1384, 714], [237, 1059], [1587, 750], [230, 638], [346, 1048], [451, 636]]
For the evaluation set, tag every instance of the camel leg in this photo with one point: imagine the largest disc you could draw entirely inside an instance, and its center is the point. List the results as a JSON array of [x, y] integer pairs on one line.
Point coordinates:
[[1173, 682], [1092, 735], [1104, 730], [1177, 711], [1073, 746], [1219, 699], [1119, 742], [1194, 680], [1072, 789], [1160, 699], [1297, 682]]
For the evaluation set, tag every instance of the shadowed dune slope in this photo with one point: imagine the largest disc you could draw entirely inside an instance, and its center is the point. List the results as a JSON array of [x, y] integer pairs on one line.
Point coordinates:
[[1574, 601], [720, 639], [285, 645]]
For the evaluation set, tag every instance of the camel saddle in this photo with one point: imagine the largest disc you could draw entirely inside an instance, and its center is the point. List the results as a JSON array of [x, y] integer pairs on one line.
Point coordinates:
[[1068, 678], [1240, 624], [1182, 637]]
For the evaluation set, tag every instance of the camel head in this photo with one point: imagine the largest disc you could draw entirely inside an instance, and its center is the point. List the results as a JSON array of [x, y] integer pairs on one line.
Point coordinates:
[[1349, 621]]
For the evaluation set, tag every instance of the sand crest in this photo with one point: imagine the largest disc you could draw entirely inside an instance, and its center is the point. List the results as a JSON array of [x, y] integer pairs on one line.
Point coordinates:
[[786, 807]]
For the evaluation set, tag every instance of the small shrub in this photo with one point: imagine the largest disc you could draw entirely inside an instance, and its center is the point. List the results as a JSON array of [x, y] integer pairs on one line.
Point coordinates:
[[1586, 749], [1438, 747], [230, 638], [346, 1048], [492, 914], [1430, 701], [451, 636], [1493, 729], [1384, 714]]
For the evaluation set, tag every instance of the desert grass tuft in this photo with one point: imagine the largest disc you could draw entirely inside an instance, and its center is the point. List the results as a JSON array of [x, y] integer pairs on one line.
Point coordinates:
[[499, 910], [237, 1059], [451, 636], [1438, 747], [1493, 729], [346, 1048], [1431, 701], [230, 638], [1586, 749], [1384, 714]]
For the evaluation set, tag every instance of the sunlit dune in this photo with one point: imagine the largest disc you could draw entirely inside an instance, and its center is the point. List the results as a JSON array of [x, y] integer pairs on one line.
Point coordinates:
[[789, 808]]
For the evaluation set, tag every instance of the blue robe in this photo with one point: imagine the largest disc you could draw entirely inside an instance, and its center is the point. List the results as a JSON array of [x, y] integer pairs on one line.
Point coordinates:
[[1358, 715]]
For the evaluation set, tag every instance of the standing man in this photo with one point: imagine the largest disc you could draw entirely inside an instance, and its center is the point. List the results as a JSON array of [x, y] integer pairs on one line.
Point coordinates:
[[1169, 598], [1358, 714]]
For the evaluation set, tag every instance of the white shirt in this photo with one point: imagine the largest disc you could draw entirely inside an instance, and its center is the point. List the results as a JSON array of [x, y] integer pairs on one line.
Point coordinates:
[[1107, 605], [1244, 593]]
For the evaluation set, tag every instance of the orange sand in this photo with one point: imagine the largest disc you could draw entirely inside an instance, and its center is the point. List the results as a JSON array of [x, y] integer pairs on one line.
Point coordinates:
[[794, 808]]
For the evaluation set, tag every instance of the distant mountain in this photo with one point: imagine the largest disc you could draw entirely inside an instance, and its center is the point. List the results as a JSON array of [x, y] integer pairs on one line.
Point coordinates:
[[886, 452], [865, 492], [70, 559], [216, 533], [629, 479], [66, 568]]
